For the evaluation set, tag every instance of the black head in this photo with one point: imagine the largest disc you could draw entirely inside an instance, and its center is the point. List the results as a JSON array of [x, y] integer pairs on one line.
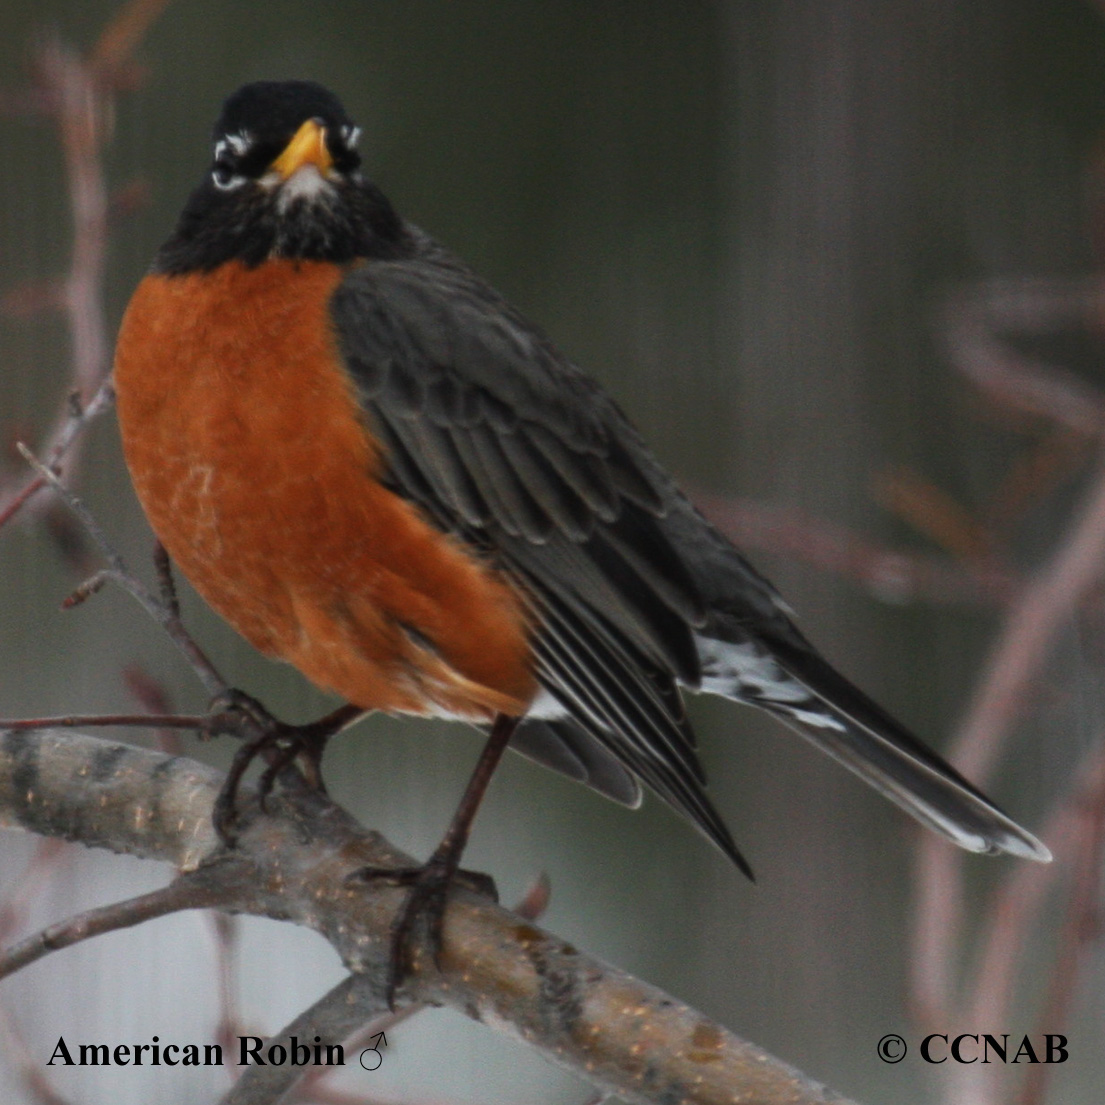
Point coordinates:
[[284, 181]]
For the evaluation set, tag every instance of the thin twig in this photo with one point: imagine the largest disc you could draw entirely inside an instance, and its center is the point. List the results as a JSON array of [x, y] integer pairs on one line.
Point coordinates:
[[77, 101], [1038, 472], [83, 122], [330, 1020], [973, 326], [27, 1064], [223, 930], [121, 37], [185, 892], [199, 722], [163, 566], [76, 94], [989, 992], [68, 433], [1082, 923], [935, 513], [83, 514], [156, 701], [118, 573], [891, 575], [1046, 606]]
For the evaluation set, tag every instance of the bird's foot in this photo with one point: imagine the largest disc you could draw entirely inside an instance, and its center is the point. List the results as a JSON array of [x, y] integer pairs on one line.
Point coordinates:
[[419, 924], [313, 738], [280, 744], [241, 715]]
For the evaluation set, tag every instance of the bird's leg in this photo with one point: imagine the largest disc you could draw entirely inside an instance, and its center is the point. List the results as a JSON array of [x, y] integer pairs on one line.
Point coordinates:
[[429, 884], [307, 742], [313, 738]]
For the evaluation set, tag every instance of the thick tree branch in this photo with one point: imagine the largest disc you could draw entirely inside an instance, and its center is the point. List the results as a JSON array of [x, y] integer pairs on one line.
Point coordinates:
[[300, 864]]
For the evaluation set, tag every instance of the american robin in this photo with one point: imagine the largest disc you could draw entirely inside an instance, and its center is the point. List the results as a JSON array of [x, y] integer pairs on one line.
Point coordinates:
[[376, 469]]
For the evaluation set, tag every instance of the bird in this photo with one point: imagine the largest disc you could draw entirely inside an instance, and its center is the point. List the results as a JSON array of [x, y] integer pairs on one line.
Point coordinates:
[[380, 472]]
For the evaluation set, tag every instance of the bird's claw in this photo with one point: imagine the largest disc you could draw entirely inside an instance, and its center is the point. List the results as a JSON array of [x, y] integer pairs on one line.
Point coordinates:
[[419, 924], [240, 713]]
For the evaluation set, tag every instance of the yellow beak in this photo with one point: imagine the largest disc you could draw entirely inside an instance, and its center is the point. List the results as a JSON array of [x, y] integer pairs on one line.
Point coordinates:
[[308, 147]]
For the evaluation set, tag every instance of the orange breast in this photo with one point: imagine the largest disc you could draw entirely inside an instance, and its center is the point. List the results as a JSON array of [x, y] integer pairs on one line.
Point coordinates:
[[253, 463]]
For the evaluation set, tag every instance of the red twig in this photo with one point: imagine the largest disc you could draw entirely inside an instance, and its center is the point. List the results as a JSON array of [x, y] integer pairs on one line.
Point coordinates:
[[973, 325], [891, 575], [1082, 925], [82, 116], [77, 94], [1046, 606], [114, 51], [44, 861], [1050, 602], [71, 92], [27, 1065]]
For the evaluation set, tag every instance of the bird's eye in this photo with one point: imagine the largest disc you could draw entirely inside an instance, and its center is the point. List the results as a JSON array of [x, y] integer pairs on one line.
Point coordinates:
[[229, 150], [224, 177], [350, 135]]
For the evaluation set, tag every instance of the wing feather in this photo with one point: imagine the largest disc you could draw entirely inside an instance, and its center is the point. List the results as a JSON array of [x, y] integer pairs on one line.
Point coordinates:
[[505, 444]]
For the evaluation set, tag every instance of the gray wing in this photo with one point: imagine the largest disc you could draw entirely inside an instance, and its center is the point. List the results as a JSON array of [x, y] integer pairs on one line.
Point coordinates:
[[503, 443]]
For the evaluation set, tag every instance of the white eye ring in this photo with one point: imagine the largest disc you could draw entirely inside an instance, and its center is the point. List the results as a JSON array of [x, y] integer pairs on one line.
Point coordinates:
[[350, 135], [227, 184], [237, 145]]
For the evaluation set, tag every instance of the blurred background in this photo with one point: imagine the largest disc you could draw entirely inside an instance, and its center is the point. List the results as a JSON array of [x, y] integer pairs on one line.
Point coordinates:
[[773, 231]]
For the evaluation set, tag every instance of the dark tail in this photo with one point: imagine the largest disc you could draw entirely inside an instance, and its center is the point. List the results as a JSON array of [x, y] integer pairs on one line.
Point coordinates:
[[791, 680]]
